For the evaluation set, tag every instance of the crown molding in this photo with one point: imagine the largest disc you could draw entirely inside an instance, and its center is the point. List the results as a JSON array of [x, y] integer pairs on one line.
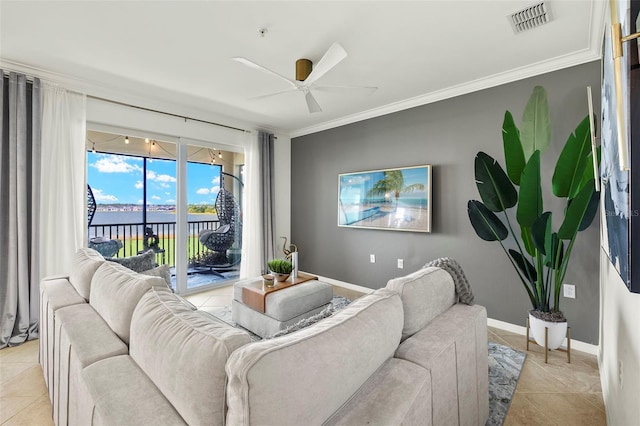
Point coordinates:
[[458, 90], [591, 53]]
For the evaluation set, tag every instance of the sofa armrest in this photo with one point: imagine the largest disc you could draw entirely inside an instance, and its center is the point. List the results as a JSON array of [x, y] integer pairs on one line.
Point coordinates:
[[453, 347]]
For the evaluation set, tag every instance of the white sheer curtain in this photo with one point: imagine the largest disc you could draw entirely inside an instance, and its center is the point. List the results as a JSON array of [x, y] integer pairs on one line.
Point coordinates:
[[63, 184], [252, 251], [258, 244]]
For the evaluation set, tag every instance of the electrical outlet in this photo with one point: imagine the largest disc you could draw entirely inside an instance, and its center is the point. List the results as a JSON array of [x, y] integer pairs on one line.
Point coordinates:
[[569, 291], [372, 258], [400, 263]]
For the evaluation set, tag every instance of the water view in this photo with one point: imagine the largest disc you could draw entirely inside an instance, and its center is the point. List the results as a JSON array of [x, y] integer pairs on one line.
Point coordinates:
[[109, 218]]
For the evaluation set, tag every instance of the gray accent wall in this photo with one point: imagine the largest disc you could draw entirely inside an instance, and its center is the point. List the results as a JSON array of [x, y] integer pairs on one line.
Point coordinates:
[[447, 135]]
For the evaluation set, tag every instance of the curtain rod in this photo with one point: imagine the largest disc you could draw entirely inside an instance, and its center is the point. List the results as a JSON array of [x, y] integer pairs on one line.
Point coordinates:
[[167, 113]]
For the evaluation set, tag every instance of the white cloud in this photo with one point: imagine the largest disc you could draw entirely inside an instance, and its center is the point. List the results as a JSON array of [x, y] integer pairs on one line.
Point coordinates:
[[139, 202], [165, 178], [115, 164], [216, 180], [103, 198], [164, 185], [139, 184], [155, 197], [151, 175], [167, 193], [203, 191], [215, 189], [170, 201]]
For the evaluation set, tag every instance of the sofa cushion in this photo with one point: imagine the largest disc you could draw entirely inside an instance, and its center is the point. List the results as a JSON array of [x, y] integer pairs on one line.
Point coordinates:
[[115, 293], [86, 262], [122, 394], [304, 377], [184, 352], [399, 393], [138, 263], [425, 295]]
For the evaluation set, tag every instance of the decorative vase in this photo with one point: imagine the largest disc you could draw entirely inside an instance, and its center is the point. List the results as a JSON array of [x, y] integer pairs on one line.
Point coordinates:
[[294, 261], [280, 277], [557, 331]]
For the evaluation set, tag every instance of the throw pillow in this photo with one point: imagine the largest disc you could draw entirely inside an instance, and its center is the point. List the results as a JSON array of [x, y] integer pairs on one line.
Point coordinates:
[[161, 271], [139, 263]]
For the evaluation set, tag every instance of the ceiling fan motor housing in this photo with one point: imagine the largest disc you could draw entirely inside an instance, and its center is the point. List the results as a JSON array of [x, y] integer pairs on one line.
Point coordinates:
[[303, 69]]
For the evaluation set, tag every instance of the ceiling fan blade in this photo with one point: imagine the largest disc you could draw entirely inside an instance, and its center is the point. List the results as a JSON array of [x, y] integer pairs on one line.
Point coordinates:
[[325, 88], [312, 104], [268, 95], [334, 55], [253, 65]]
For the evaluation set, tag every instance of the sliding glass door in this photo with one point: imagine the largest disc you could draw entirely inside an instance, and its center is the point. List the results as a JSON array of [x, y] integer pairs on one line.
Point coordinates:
[[135, 185]]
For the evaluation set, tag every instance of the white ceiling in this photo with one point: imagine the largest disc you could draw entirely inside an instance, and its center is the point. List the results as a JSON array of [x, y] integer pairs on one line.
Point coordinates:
[[176, 55]]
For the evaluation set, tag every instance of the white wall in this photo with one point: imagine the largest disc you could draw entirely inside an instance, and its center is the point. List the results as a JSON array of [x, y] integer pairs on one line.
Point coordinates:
[[619, 357]]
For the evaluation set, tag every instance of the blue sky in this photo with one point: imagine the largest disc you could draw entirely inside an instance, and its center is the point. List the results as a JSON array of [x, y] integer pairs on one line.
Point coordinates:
[[119, 179], [356, 185]]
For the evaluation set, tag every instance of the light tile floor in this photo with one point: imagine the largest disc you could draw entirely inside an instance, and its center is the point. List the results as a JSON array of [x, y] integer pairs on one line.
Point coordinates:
[[556, 393]]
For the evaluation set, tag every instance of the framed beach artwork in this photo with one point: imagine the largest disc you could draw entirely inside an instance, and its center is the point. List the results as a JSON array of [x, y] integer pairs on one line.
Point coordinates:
[[390, 199], [620, 121]]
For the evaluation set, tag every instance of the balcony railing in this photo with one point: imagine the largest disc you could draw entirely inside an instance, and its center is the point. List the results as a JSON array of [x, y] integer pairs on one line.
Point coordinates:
[[132, 236]]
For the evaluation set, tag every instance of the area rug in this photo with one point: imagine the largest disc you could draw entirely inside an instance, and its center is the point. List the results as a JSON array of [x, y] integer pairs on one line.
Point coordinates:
[[505, 365]]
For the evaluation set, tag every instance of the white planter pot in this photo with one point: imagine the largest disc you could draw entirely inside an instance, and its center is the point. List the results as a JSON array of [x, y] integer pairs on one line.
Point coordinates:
[[557, 332]]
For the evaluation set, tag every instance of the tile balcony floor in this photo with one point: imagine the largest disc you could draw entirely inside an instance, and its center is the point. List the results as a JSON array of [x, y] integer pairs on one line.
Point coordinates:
[[556, 393]]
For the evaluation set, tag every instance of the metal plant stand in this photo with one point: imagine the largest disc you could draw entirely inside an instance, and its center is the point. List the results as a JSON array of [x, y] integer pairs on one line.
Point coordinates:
[[546, 343]]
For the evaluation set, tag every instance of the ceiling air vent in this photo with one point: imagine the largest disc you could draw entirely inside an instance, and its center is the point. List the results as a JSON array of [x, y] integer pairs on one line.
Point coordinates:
[[531, 17]]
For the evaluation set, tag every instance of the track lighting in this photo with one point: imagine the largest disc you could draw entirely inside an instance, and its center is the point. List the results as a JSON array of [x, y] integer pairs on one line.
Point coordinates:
[[146, 140], [93, 149], [219, 154], [126, 140]]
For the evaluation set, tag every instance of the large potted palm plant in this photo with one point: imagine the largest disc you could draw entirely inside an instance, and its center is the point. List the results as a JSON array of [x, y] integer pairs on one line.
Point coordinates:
[[539, 254]]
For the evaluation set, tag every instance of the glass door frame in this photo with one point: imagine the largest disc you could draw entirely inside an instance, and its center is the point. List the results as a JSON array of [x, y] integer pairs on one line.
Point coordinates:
[[181, 229]]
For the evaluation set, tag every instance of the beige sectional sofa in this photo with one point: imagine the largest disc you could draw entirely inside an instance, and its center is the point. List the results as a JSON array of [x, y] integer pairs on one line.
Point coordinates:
[[121, 349]]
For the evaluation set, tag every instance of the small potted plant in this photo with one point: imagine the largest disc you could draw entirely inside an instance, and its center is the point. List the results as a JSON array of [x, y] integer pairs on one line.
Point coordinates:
[[280, 268]]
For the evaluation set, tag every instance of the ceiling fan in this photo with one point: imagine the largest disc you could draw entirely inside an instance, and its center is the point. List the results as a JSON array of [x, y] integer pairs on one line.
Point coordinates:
[[307, 75]]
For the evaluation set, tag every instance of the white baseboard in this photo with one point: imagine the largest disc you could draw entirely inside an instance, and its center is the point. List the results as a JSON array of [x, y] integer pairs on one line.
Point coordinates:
[[354, 287], [575, 344]]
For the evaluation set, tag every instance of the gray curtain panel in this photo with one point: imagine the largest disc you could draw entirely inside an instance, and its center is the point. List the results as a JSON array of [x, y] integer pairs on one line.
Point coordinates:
[[265, 142], [20, 193]]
